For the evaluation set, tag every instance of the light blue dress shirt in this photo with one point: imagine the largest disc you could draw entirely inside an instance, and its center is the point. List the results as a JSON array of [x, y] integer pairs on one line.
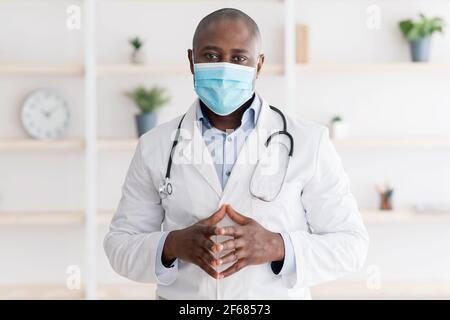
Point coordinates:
[[224, 148]]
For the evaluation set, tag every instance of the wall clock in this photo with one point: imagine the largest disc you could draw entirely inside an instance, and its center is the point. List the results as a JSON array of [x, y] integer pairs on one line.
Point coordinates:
[[45, 114]]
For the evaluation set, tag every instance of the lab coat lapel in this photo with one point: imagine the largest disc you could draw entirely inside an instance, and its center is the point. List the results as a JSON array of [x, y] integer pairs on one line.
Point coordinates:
[[251, 151], [195, 151]]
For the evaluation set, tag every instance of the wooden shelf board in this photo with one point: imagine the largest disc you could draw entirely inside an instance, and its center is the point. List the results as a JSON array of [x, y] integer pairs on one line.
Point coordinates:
[[130, 143], [340, 289], [34, 144], [30, 218], [438, 142], [144, 69], [403, 215], [374, 67], [41, 69], [60, 292], [117, 144], [51, 218], [76, 218], [389, 289]]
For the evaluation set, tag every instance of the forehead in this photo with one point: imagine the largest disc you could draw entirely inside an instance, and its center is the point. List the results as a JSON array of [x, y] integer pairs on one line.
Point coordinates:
[[227, 34]]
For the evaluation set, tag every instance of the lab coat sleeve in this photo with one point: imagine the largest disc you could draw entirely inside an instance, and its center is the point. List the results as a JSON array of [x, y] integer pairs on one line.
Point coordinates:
[[135, 231], [163, 273], [337, 241], [288, 263]]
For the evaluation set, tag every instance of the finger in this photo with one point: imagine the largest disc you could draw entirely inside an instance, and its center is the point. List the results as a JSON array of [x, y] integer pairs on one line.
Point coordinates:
[[215, 217], [208, 257], [238, 265], [230, 257], [235, 216], [232, 231], [231, 244], [207, 244], [212, 231], [207, 268]]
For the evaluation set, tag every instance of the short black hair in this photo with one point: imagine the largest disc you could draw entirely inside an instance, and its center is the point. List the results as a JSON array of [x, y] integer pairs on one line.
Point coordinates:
[[231, 14]]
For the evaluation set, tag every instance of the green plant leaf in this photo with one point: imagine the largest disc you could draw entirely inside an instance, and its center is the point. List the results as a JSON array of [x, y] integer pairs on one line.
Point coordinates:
[[148, 100], [136, 43], [424, 27]]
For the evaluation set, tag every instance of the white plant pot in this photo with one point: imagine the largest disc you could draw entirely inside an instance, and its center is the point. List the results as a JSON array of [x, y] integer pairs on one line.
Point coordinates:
[[339, 130], [138, 57]]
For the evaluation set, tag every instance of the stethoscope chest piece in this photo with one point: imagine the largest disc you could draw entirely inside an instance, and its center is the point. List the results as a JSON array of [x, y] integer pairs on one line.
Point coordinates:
[[270, 172], [165, 188]]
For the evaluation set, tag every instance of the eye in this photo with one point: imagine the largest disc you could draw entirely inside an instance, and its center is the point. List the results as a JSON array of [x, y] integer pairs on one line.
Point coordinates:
[[212, 56], [239, 59]]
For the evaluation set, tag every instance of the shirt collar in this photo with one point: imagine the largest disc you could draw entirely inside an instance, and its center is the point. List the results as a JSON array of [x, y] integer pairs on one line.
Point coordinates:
[[251, 114]]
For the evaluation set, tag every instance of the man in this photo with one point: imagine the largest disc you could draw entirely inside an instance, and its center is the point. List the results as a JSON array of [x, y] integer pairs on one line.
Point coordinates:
[[219, 239]]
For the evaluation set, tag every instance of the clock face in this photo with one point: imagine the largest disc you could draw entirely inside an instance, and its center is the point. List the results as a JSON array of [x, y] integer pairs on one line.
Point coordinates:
[[45, 115]]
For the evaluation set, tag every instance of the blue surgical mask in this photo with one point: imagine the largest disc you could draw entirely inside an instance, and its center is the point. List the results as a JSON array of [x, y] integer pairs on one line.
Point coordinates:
[[223, 87]]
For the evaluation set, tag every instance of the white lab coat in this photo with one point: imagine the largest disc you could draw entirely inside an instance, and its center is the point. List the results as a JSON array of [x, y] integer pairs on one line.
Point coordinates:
[[315, 207]]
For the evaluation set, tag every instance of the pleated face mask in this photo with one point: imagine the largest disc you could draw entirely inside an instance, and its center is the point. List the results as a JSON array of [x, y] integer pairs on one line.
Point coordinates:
[[223, 87]]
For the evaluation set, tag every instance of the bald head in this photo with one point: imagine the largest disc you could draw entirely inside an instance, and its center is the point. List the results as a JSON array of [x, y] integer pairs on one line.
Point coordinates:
[[212, 21]]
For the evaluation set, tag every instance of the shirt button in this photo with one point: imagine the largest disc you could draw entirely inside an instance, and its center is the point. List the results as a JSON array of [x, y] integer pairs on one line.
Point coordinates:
[[229, 139], [228, 173]]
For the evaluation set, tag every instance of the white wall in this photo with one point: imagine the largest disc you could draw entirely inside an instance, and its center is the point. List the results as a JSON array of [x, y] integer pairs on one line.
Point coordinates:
[[378, 104]]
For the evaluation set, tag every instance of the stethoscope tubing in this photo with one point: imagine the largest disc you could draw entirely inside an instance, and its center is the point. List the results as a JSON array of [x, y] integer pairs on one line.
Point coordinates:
[[167, 186]]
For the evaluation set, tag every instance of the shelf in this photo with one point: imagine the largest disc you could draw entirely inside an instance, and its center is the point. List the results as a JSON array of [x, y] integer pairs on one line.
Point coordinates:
[[374, 67], [76, 218], [340, 289], [51, 218], [135, 69], [129, 144], [59, 292], [41, 70], [439, 142], [389, 289], [30, 218], [34, 144], [117, 144], [403, 215]]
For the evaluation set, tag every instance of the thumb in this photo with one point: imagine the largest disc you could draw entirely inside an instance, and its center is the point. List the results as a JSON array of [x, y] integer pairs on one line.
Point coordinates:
[[215, 217], [235, 216]]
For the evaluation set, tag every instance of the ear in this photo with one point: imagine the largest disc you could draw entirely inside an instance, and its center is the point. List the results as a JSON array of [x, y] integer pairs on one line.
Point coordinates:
[[191, 60], [260, 64]]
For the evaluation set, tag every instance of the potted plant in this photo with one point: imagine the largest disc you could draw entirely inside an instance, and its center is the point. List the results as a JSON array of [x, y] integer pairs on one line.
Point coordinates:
[[338, 128], [137, 56], [147, 101], [419, 33]]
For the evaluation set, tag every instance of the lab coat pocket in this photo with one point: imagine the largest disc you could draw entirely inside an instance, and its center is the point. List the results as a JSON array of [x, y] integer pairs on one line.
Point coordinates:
[[284, 213]]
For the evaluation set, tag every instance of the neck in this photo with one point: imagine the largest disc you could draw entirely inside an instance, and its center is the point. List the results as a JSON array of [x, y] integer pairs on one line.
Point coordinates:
[[228, 122]]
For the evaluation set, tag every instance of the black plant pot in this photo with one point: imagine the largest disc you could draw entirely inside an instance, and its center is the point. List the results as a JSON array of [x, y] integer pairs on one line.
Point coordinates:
[[145, 122]]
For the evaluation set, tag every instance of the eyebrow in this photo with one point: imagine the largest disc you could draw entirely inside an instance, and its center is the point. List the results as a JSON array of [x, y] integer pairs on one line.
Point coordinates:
[[215, 48]]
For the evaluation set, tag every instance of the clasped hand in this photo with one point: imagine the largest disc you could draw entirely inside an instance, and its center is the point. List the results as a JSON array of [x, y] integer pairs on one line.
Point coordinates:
[[251, 244]]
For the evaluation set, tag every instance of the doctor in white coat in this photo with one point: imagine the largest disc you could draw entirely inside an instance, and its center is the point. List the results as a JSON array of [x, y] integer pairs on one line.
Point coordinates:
[[201, 212]]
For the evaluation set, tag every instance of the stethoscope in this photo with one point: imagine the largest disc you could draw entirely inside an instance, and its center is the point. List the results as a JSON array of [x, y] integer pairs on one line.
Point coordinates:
[[165, 187]]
